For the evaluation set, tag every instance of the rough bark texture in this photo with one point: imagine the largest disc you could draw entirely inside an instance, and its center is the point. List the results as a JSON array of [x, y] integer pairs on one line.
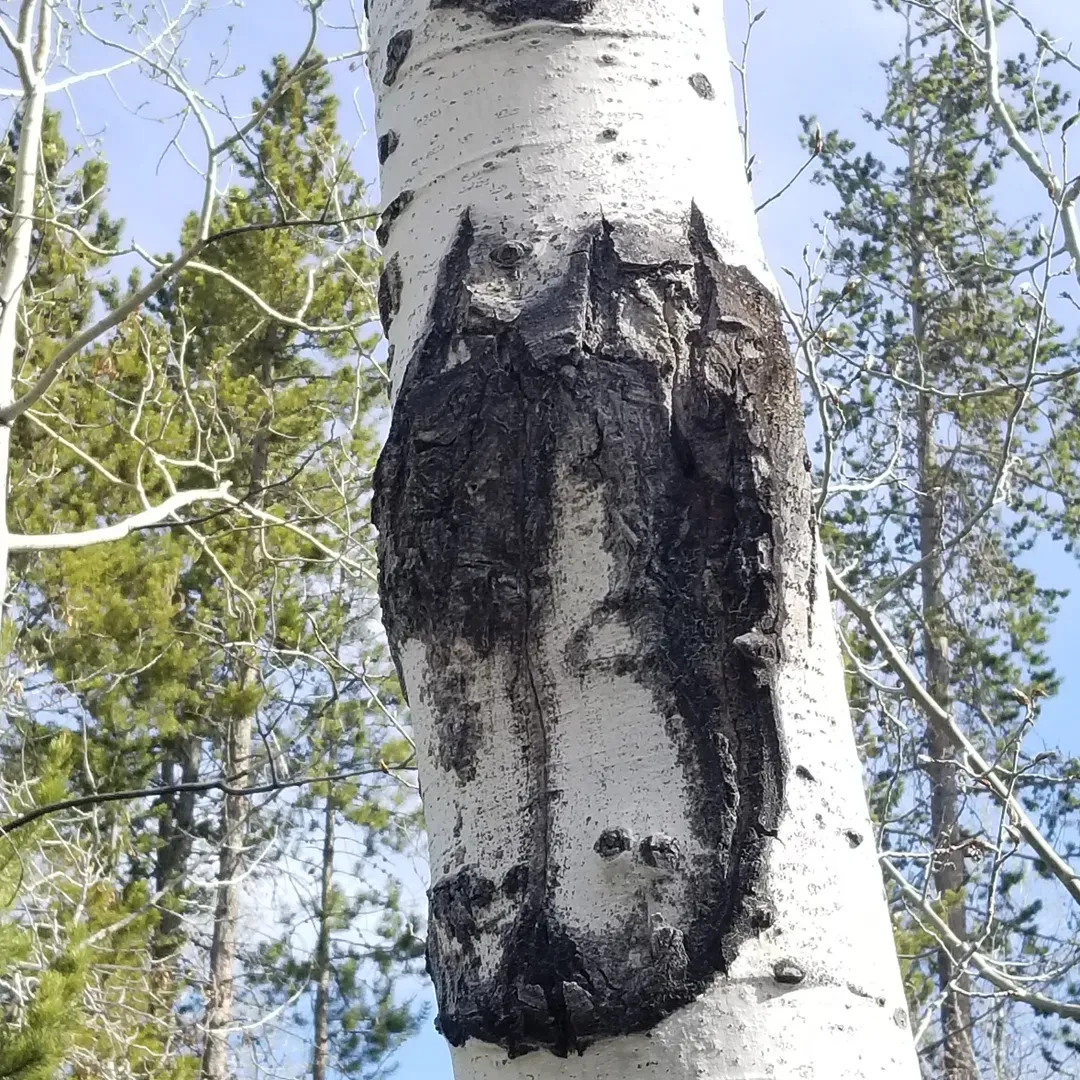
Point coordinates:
[[513, 12], [597, 567], [694, 451]]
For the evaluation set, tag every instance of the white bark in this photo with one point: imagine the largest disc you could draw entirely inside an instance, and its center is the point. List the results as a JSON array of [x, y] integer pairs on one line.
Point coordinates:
[[30, 47], [546, 738]]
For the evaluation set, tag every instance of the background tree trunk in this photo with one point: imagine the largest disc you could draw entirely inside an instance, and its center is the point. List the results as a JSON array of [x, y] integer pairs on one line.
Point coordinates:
[[215, 1061], [949, 876], [321, 1052], [599, 571]]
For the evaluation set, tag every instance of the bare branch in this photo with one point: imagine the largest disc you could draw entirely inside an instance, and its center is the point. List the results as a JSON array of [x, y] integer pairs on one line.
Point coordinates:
[[199, 786], [943, 722]]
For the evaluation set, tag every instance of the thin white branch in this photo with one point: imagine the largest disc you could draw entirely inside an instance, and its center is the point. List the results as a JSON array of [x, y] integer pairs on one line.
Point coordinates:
[[155, 515]]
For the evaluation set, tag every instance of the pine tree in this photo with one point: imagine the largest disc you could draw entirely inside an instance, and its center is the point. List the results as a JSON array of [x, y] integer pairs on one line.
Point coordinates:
[[210, 650], [930, 356]]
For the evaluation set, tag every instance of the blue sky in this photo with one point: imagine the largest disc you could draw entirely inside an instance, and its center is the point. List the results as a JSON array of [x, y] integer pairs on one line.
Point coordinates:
[[809, 56]]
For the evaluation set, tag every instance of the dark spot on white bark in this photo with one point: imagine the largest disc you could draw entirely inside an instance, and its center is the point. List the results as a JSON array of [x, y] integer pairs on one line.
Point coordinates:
[[608, 58], [459, 744], [696, 465], [397, 48], [609, 134], [388, 143], [662, 853], [389, 295], [858, 991], [515, 881], [457, 900], [900, 1018], [853, 838], [622, 157], [393, 211], [762, 917], [702, 87], [520, 11], [788, 972], [508, 255], [612, 842], [803, 773]]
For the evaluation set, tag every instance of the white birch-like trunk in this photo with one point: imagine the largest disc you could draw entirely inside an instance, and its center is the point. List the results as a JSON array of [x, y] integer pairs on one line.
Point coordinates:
[[650, 852], [34, 34]]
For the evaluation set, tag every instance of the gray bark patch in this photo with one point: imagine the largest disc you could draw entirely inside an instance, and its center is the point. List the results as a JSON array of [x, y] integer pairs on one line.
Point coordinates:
[[702, 87], [696, 460], [521, 11], [458, 901]]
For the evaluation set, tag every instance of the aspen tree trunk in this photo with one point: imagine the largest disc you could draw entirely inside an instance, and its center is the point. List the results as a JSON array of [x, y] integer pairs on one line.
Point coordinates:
[[35, 37], [650, 852], [235, 808]]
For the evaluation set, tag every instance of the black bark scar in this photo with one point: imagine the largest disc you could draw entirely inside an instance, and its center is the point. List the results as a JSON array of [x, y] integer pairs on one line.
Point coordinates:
[[397, 50], [520, 11], [394, 209], [697, 465], [388, 143]]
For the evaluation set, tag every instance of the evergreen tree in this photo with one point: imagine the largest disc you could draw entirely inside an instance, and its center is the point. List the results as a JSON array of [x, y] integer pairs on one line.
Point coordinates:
[[948, 461], [212, 650]]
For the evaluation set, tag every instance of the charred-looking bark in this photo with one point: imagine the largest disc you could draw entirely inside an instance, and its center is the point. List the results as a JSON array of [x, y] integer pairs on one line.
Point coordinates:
[[520, 11], [662, 395]]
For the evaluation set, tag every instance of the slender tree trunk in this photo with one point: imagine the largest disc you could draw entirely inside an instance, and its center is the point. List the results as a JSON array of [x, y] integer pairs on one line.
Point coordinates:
[[34, 31], [650, 851], [234, 815], [957, 1047], [320, 1055], [235, 807], [949, 876]]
